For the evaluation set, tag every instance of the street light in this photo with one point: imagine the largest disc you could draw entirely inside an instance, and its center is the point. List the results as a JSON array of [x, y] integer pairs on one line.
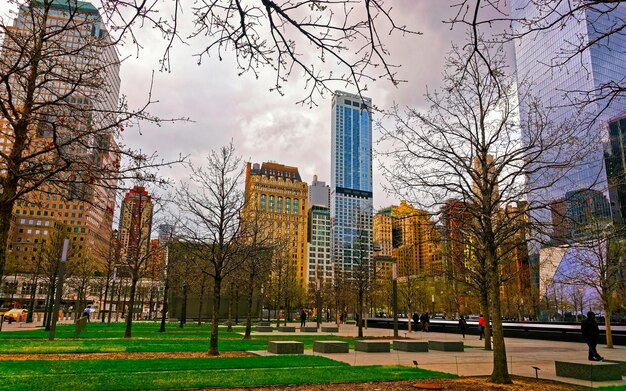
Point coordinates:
[[319, 302], [395, 300], [59, 290]]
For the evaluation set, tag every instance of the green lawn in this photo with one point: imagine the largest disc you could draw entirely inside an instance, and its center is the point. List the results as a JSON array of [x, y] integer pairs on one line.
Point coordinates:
[[192, 373], [609, 388], [172, 373]]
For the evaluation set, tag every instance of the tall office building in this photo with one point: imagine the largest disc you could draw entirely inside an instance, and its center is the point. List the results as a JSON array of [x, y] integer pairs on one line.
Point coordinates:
[[351, 181], [539, 60], [73, 202], [276, 194], [319, 193], [135, 226]]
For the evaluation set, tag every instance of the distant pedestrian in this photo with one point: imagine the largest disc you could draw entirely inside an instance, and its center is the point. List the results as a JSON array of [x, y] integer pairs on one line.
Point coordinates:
[[590, 331], [425, 319], [303, 318], [86, 313], [328, 315], [481, 326], [462, 325], [416, 321]]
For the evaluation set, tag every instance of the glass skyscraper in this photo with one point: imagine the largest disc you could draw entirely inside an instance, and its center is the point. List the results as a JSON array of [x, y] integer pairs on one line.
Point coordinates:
[[540, 60], [351, 181], [546, 62]]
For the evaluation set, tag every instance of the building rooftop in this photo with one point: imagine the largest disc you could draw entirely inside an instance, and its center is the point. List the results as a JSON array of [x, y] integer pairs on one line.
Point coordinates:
[[276, 170], [82, 6]]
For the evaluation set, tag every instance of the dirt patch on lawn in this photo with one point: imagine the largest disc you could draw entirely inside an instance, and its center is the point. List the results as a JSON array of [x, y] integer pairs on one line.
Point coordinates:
[[118, 356], [461, 384]]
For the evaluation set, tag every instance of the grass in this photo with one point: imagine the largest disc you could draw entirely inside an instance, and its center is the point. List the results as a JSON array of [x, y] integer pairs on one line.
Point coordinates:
[[609, 388], [102, 338], [171, 373], [192, 373]]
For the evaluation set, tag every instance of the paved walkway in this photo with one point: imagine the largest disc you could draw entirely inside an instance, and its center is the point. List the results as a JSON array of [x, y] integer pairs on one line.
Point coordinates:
[[522, 355]]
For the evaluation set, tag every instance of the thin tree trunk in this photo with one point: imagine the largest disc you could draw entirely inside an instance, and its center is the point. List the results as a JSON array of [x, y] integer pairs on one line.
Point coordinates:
[[360, 315], [166, 289], [183, 309], [104, 302], [217, 288], [249, 312], [201, 300], [131, 305], [607, 325], [229, 322]]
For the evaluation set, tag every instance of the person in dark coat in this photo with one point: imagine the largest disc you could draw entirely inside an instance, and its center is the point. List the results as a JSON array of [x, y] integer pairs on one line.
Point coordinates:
[[462, 325], [416, 321], [425, 319], [590, 331], [303, 318]]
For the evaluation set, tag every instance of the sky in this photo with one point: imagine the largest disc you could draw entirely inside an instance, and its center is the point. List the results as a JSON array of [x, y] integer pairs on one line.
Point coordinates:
[[264, 125]]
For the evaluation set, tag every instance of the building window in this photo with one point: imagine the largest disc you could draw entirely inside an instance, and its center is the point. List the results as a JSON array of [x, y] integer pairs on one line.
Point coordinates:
[[263, 201], [287, 205], [295, 205], [271, 203], [279, 207]]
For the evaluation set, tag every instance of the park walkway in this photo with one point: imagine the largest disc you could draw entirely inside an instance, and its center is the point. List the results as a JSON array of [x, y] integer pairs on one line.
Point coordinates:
[[522, 354]]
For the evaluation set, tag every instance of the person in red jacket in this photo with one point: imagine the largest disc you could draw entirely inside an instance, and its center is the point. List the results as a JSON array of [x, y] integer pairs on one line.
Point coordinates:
[[481, 326]]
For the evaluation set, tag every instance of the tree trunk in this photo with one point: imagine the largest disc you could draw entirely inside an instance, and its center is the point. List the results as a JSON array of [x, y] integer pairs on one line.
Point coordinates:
[[131, 305], [484, 303], [607, 325], [229, 322], [104, 302], [217, 287], [500, 372], [166, 289], [249, 312], [201, 301], [360, 315], [183, 309]]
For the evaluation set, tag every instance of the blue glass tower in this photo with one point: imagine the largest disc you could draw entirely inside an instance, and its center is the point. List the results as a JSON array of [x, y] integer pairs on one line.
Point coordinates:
[[558, 77], [351, 181]]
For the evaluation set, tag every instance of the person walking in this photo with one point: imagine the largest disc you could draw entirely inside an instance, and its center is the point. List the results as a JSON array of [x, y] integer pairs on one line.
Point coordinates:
[[591, 332], [462, 325], [416, 321], [303, 318], [425, 319], [481, 326]]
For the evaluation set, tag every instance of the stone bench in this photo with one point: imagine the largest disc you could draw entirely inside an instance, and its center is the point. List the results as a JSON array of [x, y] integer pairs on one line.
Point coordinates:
[[372, 346], [622, 365], [589, 370], [265, 324], [287, 329], [446, 346], [285, 347], [330, 329], [330, 346], [308, 329], [410, 346], [264, 329]]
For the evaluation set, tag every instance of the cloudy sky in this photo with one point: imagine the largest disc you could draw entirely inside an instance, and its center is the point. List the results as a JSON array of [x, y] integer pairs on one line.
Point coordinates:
[[265, 125]]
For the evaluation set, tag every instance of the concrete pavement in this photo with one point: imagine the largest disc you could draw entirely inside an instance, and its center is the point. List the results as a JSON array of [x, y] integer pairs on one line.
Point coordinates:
[[522, 354]]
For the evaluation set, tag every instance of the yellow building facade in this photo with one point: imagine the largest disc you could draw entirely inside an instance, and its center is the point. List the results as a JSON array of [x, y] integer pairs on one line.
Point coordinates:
[[410, 236], [276, 194]]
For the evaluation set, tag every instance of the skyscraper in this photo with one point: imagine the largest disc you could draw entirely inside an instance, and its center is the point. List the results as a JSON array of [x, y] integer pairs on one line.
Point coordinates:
[[540, 60], [351, 180], [276, 194], [135, 225], [78, 88], [319, 193]]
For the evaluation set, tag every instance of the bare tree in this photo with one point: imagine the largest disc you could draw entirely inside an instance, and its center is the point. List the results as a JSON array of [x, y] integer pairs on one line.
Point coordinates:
[[469, 147], [60, 114], [210, 204], [323, 41], [593, 265]]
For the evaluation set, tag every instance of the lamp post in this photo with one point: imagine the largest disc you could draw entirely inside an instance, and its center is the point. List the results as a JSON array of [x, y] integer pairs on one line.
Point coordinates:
[[59, 290], [318, 299], [395, 300], [433, 302], [33, 292]]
